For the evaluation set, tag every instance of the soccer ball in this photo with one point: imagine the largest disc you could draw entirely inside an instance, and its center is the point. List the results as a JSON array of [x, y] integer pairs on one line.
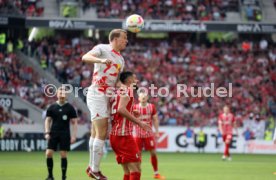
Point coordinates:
[[134, 23]]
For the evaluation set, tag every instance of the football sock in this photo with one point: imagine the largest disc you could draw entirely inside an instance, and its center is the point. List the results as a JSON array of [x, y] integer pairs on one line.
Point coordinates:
[[126, 176], [50, 165], [135, 176], [64, 166], [154, 162], [91, 140], [97, 154]]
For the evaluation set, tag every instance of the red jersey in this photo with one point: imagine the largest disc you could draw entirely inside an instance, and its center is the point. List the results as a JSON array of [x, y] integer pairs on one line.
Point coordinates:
[[146, 115], [227, 122], [120, 125]]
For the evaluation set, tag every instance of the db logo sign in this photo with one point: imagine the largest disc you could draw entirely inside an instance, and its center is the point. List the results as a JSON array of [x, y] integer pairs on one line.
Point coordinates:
[[162, 141]]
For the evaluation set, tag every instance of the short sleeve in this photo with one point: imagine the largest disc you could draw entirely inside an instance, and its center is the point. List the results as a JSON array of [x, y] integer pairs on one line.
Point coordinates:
[[96, 51], [73, 113], [49, 112]]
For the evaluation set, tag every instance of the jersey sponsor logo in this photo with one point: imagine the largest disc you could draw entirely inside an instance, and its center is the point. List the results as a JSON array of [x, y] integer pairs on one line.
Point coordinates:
[[162, 141]]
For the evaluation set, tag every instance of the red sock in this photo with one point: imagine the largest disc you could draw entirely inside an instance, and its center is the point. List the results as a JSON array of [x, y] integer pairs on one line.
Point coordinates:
[[135, 176], [226, 150], [154, 162], [126, 177]]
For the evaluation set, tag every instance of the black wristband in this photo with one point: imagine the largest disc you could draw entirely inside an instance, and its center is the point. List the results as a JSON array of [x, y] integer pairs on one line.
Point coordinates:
[[47, 133]]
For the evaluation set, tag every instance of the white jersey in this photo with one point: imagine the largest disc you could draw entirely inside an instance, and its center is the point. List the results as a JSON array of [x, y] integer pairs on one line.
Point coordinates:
[[105, 76]]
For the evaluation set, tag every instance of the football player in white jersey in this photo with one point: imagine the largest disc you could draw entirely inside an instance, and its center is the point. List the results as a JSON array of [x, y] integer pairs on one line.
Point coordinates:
[[108, 64]]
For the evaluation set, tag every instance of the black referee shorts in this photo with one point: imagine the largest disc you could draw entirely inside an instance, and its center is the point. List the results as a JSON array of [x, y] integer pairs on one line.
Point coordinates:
[[59, 141]]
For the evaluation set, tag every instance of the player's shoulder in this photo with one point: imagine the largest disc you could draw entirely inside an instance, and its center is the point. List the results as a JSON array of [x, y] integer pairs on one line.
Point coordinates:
[[70, 106], [151, 105], [104, 46], [52, 106]]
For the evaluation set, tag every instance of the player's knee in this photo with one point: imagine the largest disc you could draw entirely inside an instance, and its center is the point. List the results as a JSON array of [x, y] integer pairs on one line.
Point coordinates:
[[49, 153], [152, 152], [134, 167], [63, 154]]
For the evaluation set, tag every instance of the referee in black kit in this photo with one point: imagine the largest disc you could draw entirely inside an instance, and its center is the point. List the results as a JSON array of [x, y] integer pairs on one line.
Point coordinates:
[[57, 131]]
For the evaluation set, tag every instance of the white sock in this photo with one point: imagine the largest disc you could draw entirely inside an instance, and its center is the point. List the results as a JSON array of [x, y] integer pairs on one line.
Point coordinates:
[[97, 154], [91, 141]]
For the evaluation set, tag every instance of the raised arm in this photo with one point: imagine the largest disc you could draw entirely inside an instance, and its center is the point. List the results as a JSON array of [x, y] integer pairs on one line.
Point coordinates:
[[90, 59], [94, 55]]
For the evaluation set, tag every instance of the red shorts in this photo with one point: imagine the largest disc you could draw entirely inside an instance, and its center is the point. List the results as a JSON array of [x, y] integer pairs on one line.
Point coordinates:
[[146, 143], [125, 149], [227, 137]]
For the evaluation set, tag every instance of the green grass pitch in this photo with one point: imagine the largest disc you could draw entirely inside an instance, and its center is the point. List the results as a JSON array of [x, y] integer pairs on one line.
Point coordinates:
[[175, 166]]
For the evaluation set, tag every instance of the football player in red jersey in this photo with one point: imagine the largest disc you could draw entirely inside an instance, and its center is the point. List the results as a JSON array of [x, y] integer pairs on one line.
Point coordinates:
[[122, 119], [146, 139], [226, 123]]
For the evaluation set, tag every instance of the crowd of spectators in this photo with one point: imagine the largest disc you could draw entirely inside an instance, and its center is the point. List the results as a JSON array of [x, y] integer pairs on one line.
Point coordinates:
[[251, 72], [249, 66], [6, 117], [22, 80], [203, 10], [22, 7]]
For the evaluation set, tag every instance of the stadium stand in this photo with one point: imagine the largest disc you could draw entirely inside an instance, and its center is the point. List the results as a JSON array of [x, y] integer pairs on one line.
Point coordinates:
[[253, 10], [203, 10], [7, 116], [22, 7], [22, 80], [197, 65]]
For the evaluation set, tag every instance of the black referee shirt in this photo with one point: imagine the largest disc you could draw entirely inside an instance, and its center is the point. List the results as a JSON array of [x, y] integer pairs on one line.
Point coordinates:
[[61, 115]]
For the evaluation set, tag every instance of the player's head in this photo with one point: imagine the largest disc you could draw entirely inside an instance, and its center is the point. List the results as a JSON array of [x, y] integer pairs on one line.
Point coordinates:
[[143, 97], [226, 109], [61, 93], [129, 79], [118, 39]]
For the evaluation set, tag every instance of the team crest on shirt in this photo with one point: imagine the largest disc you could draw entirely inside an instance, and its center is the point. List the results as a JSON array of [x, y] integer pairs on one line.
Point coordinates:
[[137, 155], [64, 117]]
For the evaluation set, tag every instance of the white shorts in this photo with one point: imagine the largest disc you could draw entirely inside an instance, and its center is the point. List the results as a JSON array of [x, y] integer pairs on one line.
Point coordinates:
[[98, 104]]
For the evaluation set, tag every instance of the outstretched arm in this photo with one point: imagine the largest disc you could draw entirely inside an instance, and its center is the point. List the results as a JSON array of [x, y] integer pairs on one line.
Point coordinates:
[[122, 110]]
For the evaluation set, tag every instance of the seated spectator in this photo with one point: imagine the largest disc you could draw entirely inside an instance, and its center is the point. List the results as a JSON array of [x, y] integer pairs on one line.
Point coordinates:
[[8, 134]]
